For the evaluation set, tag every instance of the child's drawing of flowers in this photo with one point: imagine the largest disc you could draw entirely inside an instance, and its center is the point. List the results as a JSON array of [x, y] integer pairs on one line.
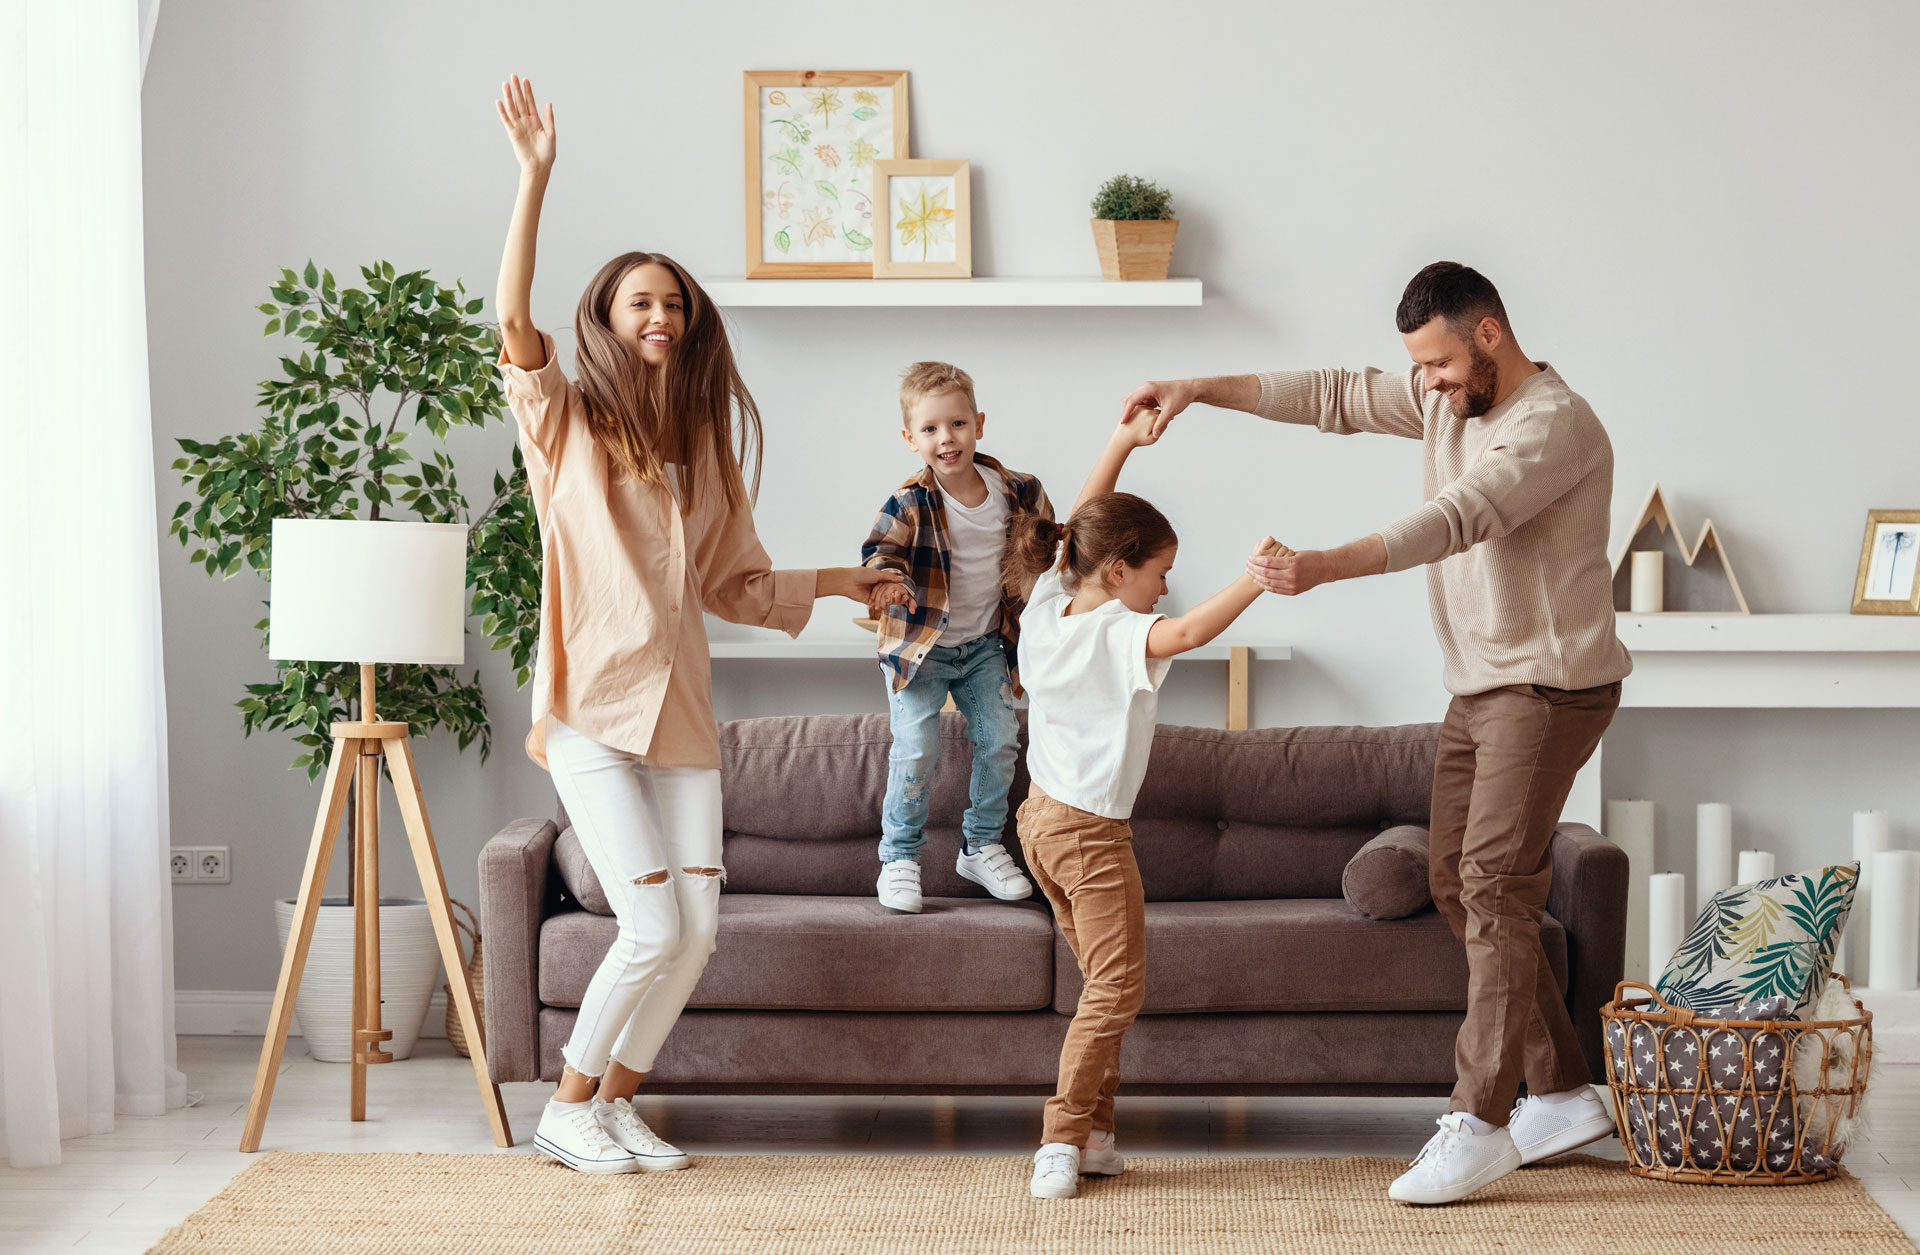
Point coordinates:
[[860, 154], [828, 155], [926, 220], [817, 150]]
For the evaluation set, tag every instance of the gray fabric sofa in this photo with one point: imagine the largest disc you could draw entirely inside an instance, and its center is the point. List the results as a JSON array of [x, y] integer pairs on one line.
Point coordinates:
[[1260, 977]]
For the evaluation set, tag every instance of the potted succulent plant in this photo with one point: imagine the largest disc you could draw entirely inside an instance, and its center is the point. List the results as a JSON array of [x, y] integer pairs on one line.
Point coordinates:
[[400, 357], [1133, 228]]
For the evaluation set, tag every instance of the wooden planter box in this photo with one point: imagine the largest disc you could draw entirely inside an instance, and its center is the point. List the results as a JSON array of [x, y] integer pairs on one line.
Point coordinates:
[[1135, 250]]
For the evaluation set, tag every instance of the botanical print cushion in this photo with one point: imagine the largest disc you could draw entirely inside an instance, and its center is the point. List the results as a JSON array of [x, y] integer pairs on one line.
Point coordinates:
[[1769, 939], [1730, 1117]]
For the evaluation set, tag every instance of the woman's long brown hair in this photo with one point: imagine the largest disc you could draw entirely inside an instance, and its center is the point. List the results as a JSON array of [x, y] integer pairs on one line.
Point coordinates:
[[645, 417]]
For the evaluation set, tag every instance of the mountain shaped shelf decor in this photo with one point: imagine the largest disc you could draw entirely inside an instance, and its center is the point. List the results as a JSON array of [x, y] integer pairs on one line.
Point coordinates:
[[1692, 586]]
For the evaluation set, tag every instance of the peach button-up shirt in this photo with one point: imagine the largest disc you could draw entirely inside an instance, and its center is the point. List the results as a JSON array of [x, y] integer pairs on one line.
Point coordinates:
[[625, 578]]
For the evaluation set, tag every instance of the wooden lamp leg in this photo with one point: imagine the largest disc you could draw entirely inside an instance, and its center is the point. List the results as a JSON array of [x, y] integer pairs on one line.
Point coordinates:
[[313, 884], [433, 886], [367, 1033]]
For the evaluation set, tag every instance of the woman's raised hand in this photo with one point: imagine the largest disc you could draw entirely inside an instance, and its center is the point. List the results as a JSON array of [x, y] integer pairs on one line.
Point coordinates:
[[532, 138]]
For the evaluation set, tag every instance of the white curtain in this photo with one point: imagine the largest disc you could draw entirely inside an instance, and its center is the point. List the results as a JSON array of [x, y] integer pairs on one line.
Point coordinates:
[[86, 944]]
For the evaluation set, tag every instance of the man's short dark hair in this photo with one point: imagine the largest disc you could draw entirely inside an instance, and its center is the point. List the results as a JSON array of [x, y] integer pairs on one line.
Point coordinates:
[[1446, 289]]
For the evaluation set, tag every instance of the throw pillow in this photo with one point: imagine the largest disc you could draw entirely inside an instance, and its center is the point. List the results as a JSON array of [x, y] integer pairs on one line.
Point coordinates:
[[577, 874], [1387, 877], [1772, 938]]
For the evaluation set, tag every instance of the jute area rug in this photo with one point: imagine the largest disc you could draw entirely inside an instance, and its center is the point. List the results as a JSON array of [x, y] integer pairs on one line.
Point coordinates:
[[931, 1205]]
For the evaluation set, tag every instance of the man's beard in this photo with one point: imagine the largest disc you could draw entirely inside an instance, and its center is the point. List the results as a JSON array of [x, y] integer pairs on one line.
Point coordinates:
[[1475, 397]]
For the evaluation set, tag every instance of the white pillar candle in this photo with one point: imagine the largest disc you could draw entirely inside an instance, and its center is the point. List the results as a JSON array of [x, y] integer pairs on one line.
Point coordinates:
[[1755, 865], [1666, 918], [1648, 590], [1713, 851], [1896, 919], [1630, 826], [1870, 837]]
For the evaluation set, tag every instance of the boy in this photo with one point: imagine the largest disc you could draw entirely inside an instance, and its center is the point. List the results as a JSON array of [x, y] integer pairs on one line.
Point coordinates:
[[951, 629]]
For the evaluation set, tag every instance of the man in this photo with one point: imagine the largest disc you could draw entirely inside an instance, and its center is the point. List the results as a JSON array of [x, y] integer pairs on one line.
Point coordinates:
[[1518, 480]]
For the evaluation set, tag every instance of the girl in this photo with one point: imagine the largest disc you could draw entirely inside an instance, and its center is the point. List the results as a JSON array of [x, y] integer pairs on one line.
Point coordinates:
[[636, 477], [1093, 654]]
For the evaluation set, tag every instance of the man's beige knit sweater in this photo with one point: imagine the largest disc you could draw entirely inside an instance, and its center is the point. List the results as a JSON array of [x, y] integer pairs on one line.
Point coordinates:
[[1515, 525]]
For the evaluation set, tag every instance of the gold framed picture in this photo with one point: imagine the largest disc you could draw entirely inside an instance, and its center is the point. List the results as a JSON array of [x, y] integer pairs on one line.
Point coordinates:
[[1889, 578], [812, 137], [926, 231]]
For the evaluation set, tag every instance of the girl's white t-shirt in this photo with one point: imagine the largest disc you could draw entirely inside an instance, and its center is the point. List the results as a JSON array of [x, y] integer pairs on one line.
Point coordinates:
[[1094, 698]]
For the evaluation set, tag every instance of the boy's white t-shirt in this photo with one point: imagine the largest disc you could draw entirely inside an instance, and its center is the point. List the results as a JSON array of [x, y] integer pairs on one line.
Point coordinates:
[[1094, 697], [976, 538]]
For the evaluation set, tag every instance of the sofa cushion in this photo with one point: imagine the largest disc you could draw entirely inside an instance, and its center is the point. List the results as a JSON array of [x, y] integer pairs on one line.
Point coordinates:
[[787, 952], [1387, 879], [576, 873], [1297, 954]]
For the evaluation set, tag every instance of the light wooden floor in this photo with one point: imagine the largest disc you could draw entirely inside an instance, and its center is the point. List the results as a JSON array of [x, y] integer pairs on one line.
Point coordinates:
[[120, 1191]]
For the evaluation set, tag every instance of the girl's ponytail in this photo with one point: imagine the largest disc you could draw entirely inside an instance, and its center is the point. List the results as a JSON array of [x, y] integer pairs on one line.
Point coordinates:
[[1032, 541], [1116, 525]]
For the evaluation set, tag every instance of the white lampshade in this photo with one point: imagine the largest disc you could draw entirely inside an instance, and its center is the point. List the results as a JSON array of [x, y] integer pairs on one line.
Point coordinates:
[[347, 591]]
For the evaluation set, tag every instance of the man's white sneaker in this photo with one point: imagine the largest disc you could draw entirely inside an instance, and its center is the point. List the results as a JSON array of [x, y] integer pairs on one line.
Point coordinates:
[[572, 1135], [993, 869], [650, 1151], [1543, 1128], [1102, 1158], [1455, 1162], [899, 885], [1056, 1171]]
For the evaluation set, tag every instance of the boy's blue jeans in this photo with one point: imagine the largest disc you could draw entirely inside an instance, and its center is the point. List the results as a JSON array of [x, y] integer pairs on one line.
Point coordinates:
[[976, 674]]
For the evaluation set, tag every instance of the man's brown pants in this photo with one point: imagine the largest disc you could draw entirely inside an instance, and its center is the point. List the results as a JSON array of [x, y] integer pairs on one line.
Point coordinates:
[[1084, 864], [1506, 763]]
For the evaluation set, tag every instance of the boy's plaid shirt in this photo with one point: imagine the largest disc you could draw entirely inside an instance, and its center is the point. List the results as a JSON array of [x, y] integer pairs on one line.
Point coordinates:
[[910, 536]]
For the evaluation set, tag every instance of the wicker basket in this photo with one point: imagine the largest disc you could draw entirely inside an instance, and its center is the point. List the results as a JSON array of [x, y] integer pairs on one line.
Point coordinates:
[[456, 1033], [1766, 1110]]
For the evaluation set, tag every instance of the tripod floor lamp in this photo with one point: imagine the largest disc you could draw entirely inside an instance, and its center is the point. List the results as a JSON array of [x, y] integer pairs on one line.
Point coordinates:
[[368, 592]]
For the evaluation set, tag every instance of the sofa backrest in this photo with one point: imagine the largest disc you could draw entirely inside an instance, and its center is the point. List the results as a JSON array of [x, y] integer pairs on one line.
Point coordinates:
[[1264, 813]]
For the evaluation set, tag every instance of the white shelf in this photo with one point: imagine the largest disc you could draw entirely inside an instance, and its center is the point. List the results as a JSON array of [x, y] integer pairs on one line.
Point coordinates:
[[781, 648], [996, 291], [1770, 633]]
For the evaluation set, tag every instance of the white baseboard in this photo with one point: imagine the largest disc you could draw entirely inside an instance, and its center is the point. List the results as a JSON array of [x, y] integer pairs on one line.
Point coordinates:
[[244, 1012]]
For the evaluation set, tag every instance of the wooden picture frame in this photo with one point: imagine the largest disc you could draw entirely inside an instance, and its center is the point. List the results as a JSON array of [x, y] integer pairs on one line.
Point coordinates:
[[929, 203], [1888, 581], [818, 133]]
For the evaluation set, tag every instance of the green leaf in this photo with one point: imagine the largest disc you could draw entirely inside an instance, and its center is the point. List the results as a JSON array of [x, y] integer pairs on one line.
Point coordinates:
[[782, 240], [865, 113], [856, 238], [273, 325], [312, 275], [827, 189]]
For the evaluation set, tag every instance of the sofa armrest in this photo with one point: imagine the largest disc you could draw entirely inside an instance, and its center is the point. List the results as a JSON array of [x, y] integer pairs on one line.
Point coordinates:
[[1589, 898], [513, 902]]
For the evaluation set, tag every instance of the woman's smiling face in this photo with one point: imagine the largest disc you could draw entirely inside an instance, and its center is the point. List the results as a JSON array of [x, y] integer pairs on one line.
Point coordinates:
[[649, 311]]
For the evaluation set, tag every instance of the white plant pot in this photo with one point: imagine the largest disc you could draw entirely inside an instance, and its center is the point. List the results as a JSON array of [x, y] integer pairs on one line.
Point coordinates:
[[409, 964]]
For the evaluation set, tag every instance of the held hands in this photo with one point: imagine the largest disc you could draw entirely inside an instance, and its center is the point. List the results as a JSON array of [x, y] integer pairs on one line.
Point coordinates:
[[1164, 398], [532, 139], [1139, 428], [856, 583], [1281, 570], [881, 596]]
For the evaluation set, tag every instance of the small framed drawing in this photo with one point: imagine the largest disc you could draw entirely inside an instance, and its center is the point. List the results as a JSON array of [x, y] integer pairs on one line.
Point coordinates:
[[812, 137], [926, 229], [1889, 578]]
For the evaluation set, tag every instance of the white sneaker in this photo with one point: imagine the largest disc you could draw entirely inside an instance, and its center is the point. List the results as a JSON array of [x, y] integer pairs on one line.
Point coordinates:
[[899, 885], [1056, 1171], [1543, 1129], [650, 1151], [1454, 1163], [576, 1139], [1102, 1158], [992, 868]]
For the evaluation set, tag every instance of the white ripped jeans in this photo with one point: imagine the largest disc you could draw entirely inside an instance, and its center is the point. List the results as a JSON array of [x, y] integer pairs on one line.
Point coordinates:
[[653, 837]]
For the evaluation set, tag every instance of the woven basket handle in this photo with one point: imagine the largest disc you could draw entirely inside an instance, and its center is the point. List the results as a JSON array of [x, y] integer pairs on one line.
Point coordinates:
[[1681, 1015], [470, 926]]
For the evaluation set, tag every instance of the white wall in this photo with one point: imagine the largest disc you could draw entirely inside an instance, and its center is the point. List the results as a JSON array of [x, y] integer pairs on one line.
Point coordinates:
[[1703, 217]]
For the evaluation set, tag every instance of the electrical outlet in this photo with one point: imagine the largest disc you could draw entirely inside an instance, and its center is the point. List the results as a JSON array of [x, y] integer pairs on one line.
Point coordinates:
[[210, 865], [181, 862]]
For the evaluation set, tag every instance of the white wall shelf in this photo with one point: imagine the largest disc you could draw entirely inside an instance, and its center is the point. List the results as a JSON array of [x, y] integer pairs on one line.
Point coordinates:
[[994, 291], [1770, 633]]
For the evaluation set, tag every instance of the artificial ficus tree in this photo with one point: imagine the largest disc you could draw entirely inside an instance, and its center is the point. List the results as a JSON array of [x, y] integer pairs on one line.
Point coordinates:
[[379, 365]]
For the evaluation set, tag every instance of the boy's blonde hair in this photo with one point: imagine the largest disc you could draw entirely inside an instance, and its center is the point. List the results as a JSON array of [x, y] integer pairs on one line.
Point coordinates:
[[930, 379]]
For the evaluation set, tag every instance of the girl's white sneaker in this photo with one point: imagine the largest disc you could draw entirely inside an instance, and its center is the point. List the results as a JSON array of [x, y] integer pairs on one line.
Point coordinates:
[[1056, 1171], [624, 1126], [1454, 1163], [572, 1135]]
